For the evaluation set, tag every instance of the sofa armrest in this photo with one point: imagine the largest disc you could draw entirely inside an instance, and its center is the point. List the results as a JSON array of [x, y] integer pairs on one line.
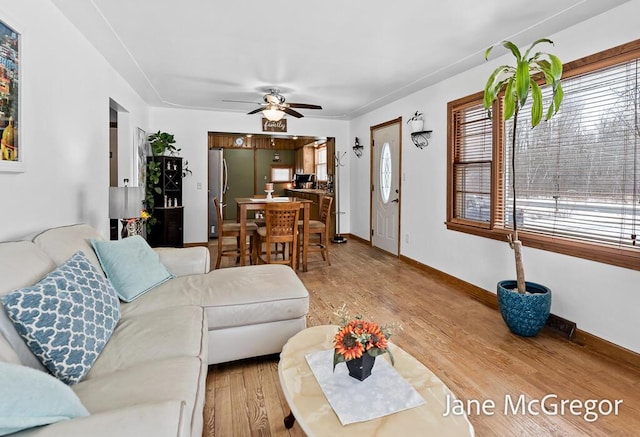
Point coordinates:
[[158, 420], [185, 261]]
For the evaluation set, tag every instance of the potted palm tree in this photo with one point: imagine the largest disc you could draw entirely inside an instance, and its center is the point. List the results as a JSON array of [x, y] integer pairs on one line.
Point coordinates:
[[524, 305]]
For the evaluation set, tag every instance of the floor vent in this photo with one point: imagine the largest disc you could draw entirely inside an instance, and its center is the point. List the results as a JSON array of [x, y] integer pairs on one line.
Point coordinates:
[[562, 326]]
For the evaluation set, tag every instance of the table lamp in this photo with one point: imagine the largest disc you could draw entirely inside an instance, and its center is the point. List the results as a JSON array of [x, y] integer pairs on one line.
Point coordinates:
[[125, 204]]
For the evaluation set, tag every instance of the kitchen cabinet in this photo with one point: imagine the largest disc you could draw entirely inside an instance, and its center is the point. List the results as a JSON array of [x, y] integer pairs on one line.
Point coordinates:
[[305, 160]]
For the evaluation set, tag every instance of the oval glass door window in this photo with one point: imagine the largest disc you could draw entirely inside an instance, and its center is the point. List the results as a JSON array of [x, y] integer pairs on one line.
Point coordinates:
[[385, 173]]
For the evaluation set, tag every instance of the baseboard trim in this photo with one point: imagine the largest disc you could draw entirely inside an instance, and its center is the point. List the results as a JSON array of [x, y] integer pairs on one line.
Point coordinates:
[[196, 245], [556, 324], [360, 239]]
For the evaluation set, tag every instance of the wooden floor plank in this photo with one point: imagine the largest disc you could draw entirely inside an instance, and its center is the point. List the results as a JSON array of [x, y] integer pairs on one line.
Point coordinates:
[[463, 341]]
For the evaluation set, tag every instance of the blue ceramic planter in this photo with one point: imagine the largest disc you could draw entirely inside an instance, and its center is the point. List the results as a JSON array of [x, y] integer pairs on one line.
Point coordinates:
[[524, 314]]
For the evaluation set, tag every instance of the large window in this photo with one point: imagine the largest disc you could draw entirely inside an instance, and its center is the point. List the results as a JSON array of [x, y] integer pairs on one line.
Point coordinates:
[[577, 175], [321, 163]]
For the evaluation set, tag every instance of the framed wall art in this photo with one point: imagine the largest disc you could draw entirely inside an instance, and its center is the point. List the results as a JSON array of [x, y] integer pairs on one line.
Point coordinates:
[[11, 146], [140, 152]]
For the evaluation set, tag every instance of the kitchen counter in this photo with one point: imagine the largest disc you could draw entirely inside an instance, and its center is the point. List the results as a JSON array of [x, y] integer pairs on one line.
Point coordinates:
[[311, 191], [315, 196]]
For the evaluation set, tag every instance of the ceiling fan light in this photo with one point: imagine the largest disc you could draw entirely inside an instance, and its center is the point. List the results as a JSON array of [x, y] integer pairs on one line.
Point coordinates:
[[273, 114]]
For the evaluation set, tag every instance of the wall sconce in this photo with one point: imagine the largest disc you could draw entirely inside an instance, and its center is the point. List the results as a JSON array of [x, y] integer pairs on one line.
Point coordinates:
[[421, 138], [357, 148]]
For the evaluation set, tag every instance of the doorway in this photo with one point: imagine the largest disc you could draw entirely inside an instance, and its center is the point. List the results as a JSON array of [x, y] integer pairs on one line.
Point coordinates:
[[255, 159], [385, 182]]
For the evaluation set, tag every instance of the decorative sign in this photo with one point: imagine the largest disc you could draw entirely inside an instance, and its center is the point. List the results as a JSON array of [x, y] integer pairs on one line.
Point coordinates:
[[274, 126]]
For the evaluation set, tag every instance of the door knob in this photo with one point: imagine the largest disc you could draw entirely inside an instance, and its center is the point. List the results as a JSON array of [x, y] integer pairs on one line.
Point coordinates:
[[396, 200]]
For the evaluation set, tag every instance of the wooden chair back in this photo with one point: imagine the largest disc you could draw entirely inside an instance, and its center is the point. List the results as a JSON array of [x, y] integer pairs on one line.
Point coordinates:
[[216, 202], [281, 221], [281, 226], [325, 210]]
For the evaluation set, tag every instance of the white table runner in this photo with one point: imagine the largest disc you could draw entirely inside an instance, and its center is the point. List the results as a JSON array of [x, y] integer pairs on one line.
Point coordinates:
[[384, 392]]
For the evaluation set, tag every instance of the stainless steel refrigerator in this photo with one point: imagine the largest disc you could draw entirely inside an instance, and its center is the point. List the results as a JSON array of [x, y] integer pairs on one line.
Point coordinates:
[[217, 187]]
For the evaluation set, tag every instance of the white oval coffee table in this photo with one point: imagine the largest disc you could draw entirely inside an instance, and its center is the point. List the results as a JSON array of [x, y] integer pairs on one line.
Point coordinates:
[[312, 411]]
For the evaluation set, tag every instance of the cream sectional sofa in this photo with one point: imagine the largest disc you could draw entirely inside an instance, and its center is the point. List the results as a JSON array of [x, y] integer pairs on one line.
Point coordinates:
[[149, 379]]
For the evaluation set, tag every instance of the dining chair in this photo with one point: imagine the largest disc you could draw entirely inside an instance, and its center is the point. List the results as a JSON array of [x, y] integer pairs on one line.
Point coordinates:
[[319, 231], [281, 226], [226, 230]]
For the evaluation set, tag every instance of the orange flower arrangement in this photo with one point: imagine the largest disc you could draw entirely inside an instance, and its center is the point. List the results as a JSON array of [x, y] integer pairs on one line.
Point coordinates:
[[356, 337]]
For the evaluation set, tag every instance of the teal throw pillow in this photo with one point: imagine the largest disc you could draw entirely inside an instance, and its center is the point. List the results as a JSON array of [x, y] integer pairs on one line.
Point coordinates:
[[31, 398], [131, 265], [67, 318]]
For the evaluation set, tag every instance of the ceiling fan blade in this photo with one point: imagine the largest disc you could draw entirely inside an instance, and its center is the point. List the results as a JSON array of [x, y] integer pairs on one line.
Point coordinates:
[[241, 101], [303, 106], [255, 111], [291, 112]]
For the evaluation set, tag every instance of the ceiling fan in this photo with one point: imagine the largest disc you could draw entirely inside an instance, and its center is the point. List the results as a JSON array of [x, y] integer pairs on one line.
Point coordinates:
[[274, 106]]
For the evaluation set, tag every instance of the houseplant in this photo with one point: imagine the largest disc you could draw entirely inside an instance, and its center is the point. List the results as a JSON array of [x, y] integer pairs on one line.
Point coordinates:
[[358, 342], [416, 122], [526, 310], [162, 143]]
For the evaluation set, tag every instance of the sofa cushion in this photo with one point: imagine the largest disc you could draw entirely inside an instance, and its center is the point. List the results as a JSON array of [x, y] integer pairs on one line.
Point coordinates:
[[61, 243], [22, 263], [7, 353], [175, 379], [131, 265], [153, 336], [33, 398], [162, 419], [254, 294], [232, 297], [67, 317], [177, 292]]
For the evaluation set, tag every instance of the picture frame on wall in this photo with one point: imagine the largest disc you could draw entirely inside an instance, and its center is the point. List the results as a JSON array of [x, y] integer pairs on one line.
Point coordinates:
[[140, 153], [11, 144]]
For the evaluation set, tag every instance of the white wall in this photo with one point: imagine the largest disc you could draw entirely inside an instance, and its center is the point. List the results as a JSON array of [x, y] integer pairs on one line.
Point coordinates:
[[64, 128], [190, 128], [602, 299]]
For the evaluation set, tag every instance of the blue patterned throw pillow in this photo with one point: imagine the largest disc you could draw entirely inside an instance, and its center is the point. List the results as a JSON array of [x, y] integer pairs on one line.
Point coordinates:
[[67, 317]]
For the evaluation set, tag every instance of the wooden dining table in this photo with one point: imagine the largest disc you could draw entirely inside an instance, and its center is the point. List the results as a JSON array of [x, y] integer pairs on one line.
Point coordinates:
[[257, 204]]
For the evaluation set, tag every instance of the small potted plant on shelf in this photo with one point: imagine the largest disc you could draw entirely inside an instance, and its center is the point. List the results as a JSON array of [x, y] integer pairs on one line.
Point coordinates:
[[524, 305], [416, 122], [162, 143], [358, 343]]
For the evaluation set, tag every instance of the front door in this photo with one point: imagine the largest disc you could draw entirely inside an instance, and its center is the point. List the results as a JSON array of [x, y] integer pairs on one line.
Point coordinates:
[[385, 182]]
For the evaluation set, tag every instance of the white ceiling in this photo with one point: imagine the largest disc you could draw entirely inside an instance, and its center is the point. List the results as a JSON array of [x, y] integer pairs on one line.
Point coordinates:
[[349, 56]]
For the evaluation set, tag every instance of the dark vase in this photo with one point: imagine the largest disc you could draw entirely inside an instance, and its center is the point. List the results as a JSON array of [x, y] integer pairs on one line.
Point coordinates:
[[524, 314], [360, 368]]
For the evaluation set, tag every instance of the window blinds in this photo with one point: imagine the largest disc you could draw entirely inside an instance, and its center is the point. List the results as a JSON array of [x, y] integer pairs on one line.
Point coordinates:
[[578, 174], [472, 164]]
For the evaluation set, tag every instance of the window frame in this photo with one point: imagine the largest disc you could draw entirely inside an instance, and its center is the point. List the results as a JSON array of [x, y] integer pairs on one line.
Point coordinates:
[[622, 257], [277, 167], [319, 163]]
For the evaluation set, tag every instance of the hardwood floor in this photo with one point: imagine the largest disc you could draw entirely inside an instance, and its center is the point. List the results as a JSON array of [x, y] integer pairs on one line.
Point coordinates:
[[461, 340]]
